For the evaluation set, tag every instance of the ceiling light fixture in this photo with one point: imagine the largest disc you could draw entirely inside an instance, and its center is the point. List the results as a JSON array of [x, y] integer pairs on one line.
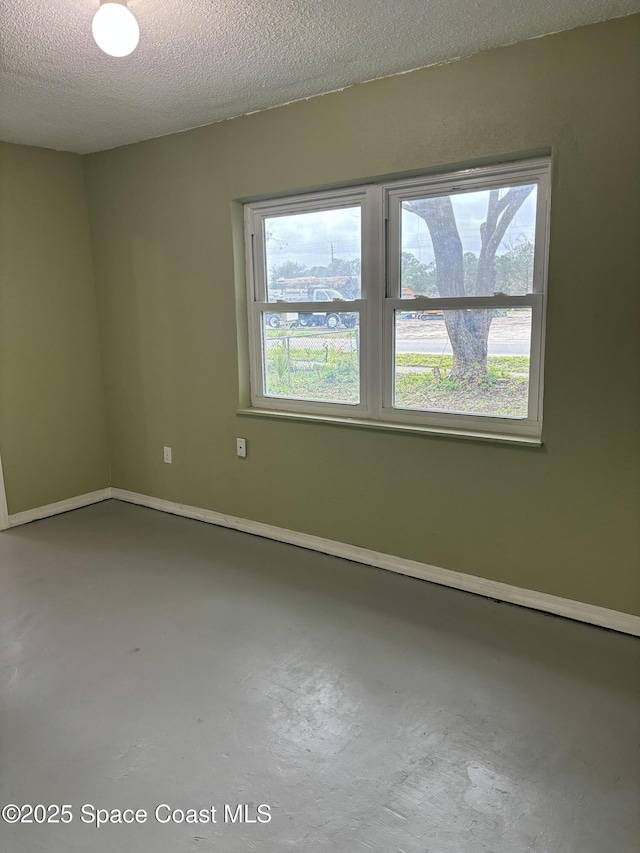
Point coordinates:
[[115, 28]]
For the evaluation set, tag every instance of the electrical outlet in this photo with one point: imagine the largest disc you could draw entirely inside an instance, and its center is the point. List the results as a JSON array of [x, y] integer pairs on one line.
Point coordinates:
[[241, 447], [167, 455]]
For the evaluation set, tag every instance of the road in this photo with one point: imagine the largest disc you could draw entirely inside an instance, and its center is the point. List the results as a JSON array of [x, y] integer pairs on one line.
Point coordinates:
[[441, 346], [509, 336]]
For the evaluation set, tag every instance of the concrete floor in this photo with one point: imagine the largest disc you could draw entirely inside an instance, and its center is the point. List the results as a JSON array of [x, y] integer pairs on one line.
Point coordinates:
[[149, 660]]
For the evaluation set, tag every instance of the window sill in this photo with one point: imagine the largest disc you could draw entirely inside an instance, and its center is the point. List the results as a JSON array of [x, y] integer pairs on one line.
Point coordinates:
[[388, 426]]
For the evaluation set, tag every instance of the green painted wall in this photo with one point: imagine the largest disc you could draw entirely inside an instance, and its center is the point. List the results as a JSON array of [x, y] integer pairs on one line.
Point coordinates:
[[561, 519], [52, 413]]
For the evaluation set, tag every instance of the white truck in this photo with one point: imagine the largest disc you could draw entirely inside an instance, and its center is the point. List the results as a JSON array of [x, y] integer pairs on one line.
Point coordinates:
[[310, 289]]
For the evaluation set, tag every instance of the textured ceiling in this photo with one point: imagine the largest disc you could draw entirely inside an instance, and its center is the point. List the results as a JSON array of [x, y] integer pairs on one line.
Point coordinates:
[[201, 61]]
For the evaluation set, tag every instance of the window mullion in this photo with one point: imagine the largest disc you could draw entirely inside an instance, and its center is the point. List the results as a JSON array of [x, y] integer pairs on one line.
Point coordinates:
[[259, 271], [536, 359], [499, 300], [373, 261], [541, 252], [336, 305]]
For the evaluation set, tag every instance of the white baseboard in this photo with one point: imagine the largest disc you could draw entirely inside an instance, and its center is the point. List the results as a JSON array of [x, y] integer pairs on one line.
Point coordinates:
[[4, 512], [590, 613], [626, 623], [59, 507]]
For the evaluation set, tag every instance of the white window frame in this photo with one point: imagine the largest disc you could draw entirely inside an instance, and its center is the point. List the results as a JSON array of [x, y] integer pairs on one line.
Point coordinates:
[[380, 298]]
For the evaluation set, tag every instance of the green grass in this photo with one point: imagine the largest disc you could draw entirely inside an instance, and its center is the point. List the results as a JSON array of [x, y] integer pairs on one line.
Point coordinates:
[[320, 369], [496, 396], [309, 332], [496, 363], [313, 373], [337, 383]]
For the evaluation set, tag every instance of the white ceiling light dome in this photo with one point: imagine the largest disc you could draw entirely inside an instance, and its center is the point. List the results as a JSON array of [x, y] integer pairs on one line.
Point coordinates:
[[115, 28]]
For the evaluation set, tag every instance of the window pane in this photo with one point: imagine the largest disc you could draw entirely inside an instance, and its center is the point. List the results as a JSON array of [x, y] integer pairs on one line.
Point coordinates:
[[471, 361], [312, 356], [313, 256], [468, 244]]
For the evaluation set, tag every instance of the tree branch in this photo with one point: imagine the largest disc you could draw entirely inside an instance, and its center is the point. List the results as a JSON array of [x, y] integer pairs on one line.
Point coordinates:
[[500, 215]]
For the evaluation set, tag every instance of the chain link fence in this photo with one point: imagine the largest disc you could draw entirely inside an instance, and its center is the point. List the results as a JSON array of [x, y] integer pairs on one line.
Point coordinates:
[[320, 364], [314, 345]]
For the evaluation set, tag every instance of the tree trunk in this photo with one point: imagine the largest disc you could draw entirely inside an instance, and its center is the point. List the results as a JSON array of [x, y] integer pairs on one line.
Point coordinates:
[[469, 334]]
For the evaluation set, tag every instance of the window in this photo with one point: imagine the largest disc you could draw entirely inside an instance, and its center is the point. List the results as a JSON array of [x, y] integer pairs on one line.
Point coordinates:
[[418, 302]]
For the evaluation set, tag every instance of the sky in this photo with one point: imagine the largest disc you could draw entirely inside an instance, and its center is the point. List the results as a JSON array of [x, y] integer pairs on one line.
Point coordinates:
[[307, 238], [310, 238]]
